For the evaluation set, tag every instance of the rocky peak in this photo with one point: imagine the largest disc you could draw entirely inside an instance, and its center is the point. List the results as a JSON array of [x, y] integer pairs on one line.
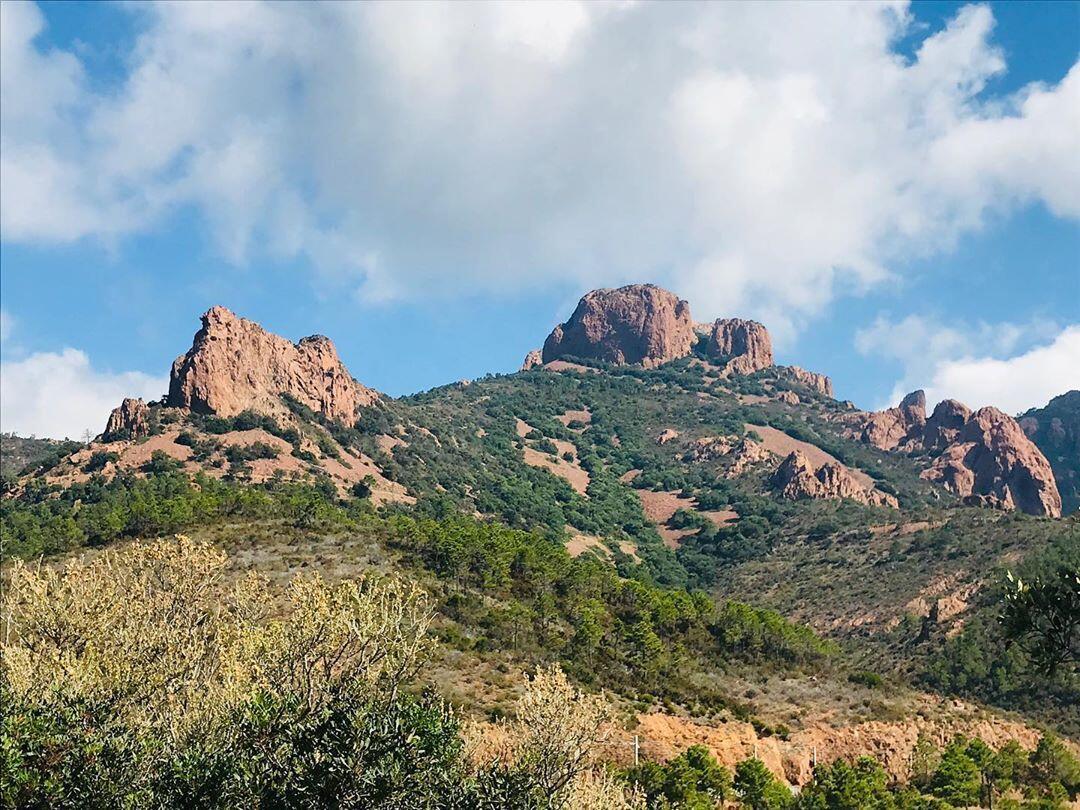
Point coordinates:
[[640, 323], [796, 479], [235, 365], [130, 420], [993, 460], [745, 346], [892, 427], [984, 457], [533, 359]]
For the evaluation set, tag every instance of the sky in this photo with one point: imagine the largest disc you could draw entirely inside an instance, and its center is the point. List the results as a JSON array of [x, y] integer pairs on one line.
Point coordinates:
[[892, 188]]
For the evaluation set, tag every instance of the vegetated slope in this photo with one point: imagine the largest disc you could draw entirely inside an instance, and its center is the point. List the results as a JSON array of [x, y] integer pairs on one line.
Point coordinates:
[[20, 455], [1055, 428], [899, 587]]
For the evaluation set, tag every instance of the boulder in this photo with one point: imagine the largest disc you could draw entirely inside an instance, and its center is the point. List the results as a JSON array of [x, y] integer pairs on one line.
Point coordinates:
[[640, 323], [131, 420], [235, 365]]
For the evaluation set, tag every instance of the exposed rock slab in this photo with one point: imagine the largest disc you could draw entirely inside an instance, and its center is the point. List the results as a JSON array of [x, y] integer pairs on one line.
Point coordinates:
[[533, 359], [235, 365], [811, 379]]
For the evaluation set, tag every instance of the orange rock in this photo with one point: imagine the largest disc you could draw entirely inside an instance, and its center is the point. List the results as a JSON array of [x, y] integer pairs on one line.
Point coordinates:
[[235, 365], [745, 346], [130, 420], [640, 323]]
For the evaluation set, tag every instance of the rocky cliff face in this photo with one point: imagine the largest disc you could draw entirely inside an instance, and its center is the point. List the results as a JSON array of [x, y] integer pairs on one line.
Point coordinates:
[[991, 462], [983, 457], [744, 346], [640, 323], [235, 365], [888, 429], [131, 420], [1055, 430], [796, 479], [811, 379]]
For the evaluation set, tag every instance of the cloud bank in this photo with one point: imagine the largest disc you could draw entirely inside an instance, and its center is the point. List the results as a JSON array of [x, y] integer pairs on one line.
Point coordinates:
[[760, 159], [1011, 366]]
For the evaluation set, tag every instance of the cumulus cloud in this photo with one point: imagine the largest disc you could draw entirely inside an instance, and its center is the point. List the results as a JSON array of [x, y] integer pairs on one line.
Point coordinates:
[[61, 395], [758, 158], [1010, 366]]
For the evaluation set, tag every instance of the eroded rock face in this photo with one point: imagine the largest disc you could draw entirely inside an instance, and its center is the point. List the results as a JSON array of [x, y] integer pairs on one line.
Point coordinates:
[[744, 346], [796, 479], [533, 359], [811, 379], [984, 457], [235, 365], [640, 323], [892, 427], [992, 462], [131, 420]]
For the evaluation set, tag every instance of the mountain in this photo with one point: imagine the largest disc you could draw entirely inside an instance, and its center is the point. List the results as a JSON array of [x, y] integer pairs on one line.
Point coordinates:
[[651, 502], [1055, 428]]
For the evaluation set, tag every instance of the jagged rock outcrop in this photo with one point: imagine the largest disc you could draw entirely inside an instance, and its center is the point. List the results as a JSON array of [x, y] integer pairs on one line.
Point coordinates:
[[892, 427], [640, 323], [743, 346], [944, 424], [131, 420], [992, 462], [746, 454], [811, 379], [984, 457], [533, 359], [796, 479], [235, 365]]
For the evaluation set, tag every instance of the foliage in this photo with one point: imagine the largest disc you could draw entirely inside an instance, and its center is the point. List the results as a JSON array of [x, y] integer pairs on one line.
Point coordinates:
[[1044, 617], [758, 789], [693, 780]]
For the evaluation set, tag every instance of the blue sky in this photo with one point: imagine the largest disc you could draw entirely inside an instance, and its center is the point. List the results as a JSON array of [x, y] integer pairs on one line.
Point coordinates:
[[894, 190]]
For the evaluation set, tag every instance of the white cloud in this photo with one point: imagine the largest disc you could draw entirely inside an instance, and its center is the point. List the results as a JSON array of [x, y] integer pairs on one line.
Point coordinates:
[[758, 158], [1010, 366], [60, 395]]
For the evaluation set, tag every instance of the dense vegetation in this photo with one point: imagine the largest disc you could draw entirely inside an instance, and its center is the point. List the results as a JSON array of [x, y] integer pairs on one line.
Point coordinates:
[[140, 679]]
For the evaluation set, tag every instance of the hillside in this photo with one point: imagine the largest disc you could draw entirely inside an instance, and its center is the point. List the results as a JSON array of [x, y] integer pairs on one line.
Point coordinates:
[[1055, 428], [732, 553]]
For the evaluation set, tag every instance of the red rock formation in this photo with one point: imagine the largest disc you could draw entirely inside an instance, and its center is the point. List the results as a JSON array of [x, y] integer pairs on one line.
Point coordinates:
[[640, 323], [533, 359], [945, 424], [745, 346], [892, 427], [797, 479], [235, 365], [130, 420], [991, 461], [812, 380]]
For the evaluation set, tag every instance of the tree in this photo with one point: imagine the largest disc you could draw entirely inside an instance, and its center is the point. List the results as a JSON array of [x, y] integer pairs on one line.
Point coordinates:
[[757, 788], [957, 779], [1043, 616], [845, 787], [1052, 764]]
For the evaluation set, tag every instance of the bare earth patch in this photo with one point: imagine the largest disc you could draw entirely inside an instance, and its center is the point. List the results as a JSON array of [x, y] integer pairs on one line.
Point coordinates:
[[578, 544], [782, 444], [566, 417], [571, 471], [660, 506]]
